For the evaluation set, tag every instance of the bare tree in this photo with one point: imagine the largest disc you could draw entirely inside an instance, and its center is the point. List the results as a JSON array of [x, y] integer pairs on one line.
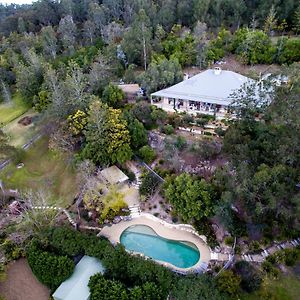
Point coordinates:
[[37, 215]]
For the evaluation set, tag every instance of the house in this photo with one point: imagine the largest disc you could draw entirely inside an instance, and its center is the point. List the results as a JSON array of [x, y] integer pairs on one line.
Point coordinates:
[[76, 287], [208, 92], [113, 175], [131, 91]]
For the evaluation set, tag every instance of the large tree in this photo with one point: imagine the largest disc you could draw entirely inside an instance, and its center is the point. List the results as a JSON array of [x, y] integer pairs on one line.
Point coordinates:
[[137, 39], [191, 198], [107, 135]]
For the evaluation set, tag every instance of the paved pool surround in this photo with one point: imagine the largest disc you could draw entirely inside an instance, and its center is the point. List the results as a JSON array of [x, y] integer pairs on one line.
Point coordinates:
[[165, 230]]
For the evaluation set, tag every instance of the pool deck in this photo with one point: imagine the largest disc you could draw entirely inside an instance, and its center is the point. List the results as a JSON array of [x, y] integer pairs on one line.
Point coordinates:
[[166, 230]]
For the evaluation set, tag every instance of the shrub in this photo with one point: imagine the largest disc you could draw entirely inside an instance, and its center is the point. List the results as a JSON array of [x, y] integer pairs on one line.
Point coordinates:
[[254, 246], [11, 250], [149, 184], [147, 154], [270, 269], [203, 227], [174, 219], [201, 122], [50, 269], [250, 277], [229, 283], [207, 133], [187, 119], [229, 240], [180, 142], [219, 131], [168, 129], [291, 256]]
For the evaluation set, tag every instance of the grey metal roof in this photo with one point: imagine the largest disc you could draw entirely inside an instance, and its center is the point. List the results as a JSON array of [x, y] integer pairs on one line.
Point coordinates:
[[76, 287], [206, 86]]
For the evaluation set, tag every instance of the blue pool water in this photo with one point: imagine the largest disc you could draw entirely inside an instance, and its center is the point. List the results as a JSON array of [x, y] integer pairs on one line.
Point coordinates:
[[144, 240]]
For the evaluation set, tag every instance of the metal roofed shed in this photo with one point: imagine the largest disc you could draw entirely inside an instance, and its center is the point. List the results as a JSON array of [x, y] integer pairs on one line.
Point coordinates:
[[113, 175], [76, 287]]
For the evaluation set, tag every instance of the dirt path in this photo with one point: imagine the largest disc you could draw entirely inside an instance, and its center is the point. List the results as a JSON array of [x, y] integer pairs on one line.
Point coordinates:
[[21, 284]]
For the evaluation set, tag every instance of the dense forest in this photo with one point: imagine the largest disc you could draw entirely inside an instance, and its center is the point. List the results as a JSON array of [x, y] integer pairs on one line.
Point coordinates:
[[64, 59]]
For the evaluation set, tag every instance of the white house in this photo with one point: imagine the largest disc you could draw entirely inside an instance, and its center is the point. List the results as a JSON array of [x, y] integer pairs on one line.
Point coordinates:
[[208, 92]]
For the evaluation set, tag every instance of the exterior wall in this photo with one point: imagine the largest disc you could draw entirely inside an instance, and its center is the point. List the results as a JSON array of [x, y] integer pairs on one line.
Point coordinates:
[[191, 107]]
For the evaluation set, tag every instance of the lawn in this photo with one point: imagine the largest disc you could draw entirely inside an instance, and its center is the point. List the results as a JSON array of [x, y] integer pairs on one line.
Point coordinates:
[[19, 134], [287, 287], [43, 169], [12, 110]]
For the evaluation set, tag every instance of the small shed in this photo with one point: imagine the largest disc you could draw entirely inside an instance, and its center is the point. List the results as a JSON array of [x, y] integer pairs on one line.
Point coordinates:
[[113, 175], [76, 287], [130, 90]]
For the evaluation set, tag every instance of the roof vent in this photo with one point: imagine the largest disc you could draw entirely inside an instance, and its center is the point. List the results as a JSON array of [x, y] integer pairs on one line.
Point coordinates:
[[217, 70]]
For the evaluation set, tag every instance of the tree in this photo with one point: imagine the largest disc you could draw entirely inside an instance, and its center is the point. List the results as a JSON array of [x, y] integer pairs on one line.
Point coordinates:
[[77, 122], [49, 41], [36, 215], [113, 203], [137, 131], [67, 31], [59, 106], [150, 183], [107, 135], [229, 283], [41, 101], [296, 22], [50, 269], [29, 75], [147, 154], [200, 9], [197, 287], [136, 42], [113, 96], [252, 99], [201, 41], [270, 22], [160, 74], [192, 199], [255, 47], [75, 86], [250, 277], [89, 32], [105, 289], [100, 73], [99, 15]]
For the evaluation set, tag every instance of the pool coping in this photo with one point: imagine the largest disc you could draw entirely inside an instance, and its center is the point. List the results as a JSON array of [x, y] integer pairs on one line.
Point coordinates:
[[176, 232]]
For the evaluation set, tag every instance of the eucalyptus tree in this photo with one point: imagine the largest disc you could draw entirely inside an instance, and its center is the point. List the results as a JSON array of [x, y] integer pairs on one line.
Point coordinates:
[[67, 31], [49, 41], [137, 40]]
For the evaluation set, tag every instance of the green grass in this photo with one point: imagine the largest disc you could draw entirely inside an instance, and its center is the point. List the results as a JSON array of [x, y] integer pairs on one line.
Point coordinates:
[[12, 110], [19, 134], [287, 287], [43, 169]]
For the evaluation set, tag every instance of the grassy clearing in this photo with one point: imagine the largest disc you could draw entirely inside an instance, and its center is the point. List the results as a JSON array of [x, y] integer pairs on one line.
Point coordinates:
[[19, 134], [43, 169], [287, 287], [12, 110]]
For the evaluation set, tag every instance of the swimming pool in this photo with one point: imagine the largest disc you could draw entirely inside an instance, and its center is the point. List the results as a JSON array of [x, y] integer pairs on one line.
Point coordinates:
[[143, 239]]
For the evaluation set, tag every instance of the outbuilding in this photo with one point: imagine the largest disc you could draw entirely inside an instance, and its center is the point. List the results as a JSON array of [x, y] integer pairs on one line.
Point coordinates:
[[76, 287]]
